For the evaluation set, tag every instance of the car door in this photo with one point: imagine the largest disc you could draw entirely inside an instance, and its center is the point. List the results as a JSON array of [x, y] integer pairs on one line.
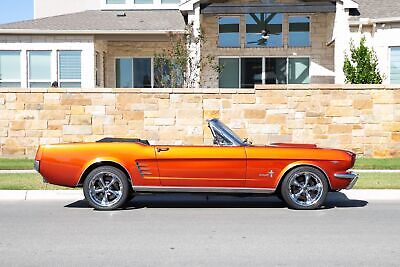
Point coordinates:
[[201, 166]]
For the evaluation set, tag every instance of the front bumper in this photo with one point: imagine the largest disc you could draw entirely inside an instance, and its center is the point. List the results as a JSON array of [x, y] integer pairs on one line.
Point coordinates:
[[348, 175]]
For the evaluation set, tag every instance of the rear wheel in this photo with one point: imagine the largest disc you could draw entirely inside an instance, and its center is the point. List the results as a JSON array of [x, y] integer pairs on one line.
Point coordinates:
[[106, 188], [304, 188]]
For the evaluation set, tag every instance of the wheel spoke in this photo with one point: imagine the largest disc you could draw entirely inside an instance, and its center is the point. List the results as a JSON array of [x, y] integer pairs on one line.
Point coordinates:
[[112, 181], [307, 178], [102, 181], [296, 183], [98, 190], [115, 193], [316, 187], [104, 201], [308, 196]]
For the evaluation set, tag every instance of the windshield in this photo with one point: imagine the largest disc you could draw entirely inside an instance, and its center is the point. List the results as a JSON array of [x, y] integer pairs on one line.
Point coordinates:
[[227, 132]]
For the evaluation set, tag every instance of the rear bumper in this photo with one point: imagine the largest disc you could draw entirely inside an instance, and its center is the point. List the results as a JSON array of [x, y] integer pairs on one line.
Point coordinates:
[[350, 176]]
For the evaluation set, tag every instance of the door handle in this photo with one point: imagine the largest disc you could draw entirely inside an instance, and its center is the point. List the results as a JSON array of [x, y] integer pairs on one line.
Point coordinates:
[[162, 149]]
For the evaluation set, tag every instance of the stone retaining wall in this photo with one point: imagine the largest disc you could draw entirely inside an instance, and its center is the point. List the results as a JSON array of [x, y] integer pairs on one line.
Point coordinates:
[[365, 119]]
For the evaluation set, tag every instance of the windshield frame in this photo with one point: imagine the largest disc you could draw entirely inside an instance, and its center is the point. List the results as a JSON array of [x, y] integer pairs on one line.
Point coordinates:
[[216, 126]]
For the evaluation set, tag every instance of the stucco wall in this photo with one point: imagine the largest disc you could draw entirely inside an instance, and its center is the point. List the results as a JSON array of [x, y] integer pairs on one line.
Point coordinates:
[[365, 119]]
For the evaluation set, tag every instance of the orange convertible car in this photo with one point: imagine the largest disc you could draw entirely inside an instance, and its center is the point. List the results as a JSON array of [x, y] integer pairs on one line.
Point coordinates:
[[113, 170]]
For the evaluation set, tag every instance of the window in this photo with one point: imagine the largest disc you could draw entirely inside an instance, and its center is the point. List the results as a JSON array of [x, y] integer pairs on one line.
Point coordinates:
[[228, 35], [251, 72], [69, 69], [275, 70], [134, 72], [299, 70], [144, 2], [395, 65], [170, 1], [115, 2], [229, 76], [299, 31], [264, 30], [39, 70], [246, 72], [10, 69]]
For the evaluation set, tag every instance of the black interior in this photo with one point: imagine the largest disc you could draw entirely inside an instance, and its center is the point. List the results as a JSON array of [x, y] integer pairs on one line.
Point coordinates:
[[123, 140]]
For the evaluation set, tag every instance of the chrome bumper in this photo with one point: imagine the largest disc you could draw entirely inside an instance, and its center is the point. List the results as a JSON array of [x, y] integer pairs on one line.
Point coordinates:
[[348, 175]]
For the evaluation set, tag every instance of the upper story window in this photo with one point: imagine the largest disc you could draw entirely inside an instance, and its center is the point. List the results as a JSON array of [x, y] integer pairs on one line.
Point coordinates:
[[299, 31], [10, 69], [229, 35], [39, 70], [69, 69], [135, 4], [264, 30]]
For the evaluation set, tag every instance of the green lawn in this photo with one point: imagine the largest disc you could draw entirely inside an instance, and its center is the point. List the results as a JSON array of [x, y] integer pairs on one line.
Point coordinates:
[[34, 182], [19, 181], [377, 164], [16, 164]]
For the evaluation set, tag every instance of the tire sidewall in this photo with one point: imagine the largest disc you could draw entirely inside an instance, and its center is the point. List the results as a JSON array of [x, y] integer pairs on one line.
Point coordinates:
[[125, 191], [285, 192]]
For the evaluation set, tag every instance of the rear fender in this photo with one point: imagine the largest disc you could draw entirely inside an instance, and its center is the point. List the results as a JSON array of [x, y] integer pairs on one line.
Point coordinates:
[[102, 161]]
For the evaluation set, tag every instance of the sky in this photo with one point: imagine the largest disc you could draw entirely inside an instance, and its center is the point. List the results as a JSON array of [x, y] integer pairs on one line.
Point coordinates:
[[15, 10]]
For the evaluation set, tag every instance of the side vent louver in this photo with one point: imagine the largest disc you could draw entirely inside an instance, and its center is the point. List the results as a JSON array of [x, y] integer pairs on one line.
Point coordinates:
[[143, 168]]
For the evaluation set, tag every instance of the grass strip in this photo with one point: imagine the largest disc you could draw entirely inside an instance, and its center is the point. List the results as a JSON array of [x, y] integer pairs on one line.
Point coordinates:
[[377, 164], [16, 164], [23, 181]]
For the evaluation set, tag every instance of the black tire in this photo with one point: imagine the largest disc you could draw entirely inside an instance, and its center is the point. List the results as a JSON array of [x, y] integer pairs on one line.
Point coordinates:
[[302, 193], [106, 188]]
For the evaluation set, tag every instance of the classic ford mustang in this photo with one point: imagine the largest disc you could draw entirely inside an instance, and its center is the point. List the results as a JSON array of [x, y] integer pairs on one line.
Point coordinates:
[[113, 170]]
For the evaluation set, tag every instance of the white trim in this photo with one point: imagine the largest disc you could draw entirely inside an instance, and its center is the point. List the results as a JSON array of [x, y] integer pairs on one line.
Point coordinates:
[[130, 5], [86, 32]]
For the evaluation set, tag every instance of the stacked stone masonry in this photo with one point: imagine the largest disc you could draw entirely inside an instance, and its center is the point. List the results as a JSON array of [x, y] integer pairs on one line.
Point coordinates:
[[365, 119]]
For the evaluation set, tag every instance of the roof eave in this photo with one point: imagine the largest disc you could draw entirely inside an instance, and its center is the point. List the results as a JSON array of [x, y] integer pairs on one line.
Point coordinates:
[[85, 32]]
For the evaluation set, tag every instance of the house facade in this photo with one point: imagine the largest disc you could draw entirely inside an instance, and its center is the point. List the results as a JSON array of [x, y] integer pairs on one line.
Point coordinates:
[[112, 43], [379, 23]]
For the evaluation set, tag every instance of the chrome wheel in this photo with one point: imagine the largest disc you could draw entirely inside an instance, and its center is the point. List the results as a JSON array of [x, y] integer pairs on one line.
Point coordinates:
[[305, 188], [105, 189]]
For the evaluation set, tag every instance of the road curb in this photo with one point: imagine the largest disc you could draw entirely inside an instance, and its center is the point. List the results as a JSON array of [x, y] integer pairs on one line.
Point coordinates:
[[74, 195]]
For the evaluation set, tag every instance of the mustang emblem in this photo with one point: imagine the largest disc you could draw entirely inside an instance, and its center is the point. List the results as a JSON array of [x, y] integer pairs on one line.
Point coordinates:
[[269, 174]]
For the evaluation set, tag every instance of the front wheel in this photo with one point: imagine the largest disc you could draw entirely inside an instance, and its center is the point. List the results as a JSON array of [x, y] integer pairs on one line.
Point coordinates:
[[304, 188], [106, 188]]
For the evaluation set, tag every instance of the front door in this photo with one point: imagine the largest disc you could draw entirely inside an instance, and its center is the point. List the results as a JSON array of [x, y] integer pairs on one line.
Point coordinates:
[[201, 166]]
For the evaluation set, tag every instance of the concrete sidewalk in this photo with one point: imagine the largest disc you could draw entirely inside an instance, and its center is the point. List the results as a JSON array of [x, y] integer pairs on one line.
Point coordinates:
[[74, 195]]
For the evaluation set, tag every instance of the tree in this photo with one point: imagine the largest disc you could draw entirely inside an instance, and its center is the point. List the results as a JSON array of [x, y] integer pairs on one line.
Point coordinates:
[[181, 64], [362, 66]]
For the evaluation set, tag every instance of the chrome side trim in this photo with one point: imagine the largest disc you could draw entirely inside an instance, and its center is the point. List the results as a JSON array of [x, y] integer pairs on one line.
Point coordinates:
[[203, 189]]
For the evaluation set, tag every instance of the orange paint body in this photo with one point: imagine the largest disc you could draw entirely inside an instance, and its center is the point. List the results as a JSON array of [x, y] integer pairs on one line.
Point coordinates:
[[192, 166]]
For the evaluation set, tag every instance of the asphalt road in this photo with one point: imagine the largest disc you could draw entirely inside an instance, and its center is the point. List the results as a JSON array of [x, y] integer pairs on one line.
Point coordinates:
[[187, 230]]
